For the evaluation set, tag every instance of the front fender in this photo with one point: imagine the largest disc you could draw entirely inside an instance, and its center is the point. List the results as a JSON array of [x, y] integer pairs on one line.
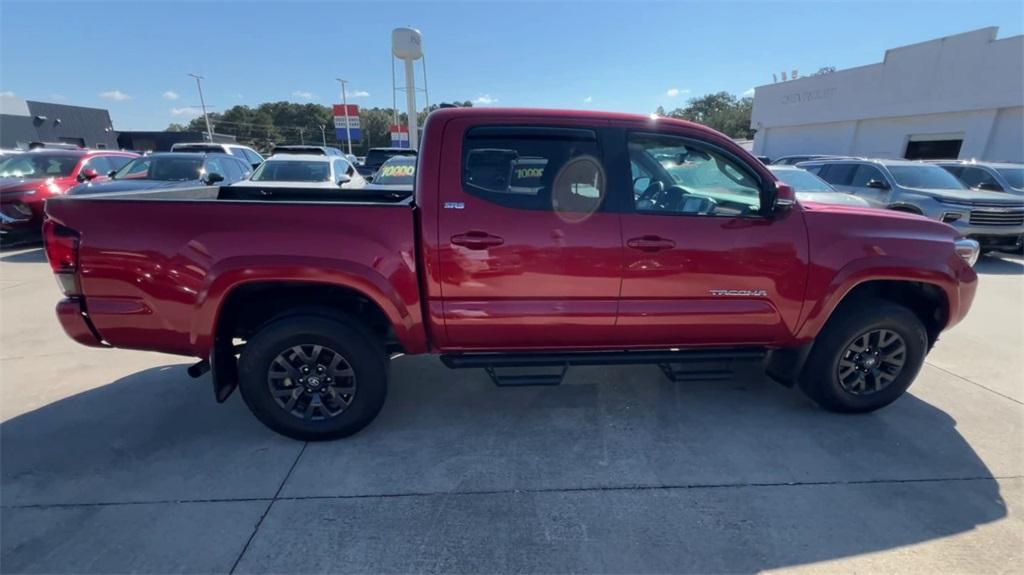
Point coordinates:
[[867, 269], [401, 308]]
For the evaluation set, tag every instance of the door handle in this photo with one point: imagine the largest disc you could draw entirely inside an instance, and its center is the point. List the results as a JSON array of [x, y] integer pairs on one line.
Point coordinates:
[[477, 240], [650, 243]]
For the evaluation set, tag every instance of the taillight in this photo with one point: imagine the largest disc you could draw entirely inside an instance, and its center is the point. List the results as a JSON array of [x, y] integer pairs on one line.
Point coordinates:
[[62, 251]]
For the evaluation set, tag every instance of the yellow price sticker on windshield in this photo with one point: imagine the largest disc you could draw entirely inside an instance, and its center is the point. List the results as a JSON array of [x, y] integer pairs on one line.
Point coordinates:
[[397, 171], [523, 173]]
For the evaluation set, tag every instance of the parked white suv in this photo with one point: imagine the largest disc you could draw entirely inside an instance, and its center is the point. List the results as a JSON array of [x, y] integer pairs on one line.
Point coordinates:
[[306, 171], [244, 153]]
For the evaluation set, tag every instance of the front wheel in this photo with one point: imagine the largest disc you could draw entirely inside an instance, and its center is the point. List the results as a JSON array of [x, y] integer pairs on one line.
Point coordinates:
[[867, 356], [313, 378]]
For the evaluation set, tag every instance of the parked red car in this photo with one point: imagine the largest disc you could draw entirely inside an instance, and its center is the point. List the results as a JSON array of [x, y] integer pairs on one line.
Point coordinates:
[[533, 239], [29, 178]]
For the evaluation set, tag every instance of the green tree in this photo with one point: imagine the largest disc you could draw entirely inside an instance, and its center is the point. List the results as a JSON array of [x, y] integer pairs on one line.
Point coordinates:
[[721, 111], [273, 123]]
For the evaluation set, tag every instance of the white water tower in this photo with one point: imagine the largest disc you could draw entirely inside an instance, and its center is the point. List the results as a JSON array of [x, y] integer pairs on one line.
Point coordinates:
[[407, 45]]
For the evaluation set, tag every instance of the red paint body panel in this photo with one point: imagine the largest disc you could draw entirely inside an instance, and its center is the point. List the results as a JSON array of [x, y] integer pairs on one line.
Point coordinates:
[[72, 319], [162, 290], [155, 274]]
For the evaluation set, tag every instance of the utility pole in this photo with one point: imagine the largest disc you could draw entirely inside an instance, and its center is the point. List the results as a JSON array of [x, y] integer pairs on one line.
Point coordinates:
[[199, 84], [323, 135], [344, 106]]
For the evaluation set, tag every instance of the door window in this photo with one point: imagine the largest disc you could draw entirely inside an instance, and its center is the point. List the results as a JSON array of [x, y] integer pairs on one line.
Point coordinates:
[[865, 174], [839, 174], [689, 178], [535, 169], [975, 177]]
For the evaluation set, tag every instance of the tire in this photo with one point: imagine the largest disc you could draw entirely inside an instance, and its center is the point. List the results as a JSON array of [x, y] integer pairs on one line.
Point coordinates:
[[834, 352], [347, 402]]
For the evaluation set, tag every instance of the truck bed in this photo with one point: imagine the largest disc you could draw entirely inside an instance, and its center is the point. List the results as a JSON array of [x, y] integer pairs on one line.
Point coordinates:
[[157, 266]]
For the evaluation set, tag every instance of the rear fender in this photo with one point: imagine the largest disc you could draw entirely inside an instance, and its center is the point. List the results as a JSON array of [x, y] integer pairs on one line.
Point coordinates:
[[232, 273]]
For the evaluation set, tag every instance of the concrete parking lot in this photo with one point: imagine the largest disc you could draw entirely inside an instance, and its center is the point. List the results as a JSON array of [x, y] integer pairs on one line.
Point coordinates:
[[117, 461]]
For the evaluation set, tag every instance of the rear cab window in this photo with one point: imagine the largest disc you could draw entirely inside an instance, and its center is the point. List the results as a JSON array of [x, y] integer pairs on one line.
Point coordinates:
[[535, 168]]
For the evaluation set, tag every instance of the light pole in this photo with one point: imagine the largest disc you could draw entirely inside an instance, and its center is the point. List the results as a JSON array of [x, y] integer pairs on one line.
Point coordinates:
[[344, 107], [302, 136], [209, 130], [323, 135]]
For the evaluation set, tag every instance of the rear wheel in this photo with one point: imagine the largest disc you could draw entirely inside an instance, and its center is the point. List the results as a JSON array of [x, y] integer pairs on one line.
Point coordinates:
[[866, 357], [313, 378]]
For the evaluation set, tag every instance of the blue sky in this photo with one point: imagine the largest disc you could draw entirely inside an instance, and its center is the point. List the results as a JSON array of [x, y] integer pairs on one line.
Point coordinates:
[[132, 58]]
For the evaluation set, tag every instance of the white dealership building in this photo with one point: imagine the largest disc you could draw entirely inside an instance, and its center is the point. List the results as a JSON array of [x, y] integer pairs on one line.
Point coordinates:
[[958, 96]]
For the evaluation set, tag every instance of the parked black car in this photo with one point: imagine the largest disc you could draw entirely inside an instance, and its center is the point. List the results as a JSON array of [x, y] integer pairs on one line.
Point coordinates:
[[168, 170], [376, 157]]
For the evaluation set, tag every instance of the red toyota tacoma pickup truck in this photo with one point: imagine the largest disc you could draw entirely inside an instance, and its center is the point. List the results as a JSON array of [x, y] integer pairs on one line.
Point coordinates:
[[533, 240]]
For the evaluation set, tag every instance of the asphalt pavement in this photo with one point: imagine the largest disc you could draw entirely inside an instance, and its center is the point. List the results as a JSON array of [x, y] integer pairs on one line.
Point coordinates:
[[117, 461]]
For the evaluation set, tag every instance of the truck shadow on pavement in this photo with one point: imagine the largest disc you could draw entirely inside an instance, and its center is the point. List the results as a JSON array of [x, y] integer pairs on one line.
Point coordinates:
[[615, 470], [1002, 264], [16, 256]]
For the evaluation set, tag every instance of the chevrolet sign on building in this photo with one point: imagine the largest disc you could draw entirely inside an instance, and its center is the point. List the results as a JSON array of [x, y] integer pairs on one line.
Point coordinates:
[[955, 97]]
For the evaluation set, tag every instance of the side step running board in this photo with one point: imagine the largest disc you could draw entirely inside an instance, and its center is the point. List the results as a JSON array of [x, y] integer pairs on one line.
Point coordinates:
[[677, 365]]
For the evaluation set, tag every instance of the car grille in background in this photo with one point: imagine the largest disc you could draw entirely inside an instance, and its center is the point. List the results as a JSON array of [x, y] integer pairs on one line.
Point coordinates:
[[997, 217]]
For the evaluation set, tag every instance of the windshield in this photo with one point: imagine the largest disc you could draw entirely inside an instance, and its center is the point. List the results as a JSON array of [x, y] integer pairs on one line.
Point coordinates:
[[803, 181], [1014, 177], [925, 177], [397, 172], [293, 171], [33, 166], [161, 168]]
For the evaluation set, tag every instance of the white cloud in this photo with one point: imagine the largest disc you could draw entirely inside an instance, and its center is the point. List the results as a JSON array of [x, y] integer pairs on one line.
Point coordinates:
[[186, 111], [485, 100], [171, 95], [303, 95], [7, 94], [749, 92], [359, 94], [116, 95], [673, 92], [588, 99]]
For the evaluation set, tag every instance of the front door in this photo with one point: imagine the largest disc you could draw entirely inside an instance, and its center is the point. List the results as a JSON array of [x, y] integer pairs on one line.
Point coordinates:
[[529, 248], [702, 265]]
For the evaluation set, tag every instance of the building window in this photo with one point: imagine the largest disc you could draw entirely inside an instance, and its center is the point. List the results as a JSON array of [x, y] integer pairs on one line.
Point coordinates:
[[933, 149]]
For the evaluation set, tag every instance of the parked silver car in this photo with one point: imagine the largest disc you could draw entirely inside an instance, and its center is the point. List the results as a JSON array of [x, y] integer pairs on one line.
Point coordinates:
[[989, 176], [811, 188], [994, 219]]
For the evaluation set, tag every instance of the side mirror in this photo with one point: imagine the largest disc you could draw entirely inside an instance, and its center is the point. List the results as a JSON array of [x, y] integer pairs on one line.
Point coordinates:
[[877, 184], [111, 173], [87, 174], [344, 179], [256, 165], [368, 179], [213, 178], [784, 199], [989, 187]]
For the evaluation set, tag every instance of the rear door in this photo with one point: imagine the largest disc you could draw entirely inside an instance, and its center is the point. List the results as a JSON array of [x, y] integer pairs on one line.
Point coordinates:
[[529, 244], [702, 265]]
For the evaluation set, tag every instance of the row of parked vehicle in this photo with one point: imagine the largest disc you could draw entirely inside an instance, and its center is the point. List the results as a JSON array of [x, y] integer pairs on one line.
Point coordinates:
[[27, 179], [984, 201]]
